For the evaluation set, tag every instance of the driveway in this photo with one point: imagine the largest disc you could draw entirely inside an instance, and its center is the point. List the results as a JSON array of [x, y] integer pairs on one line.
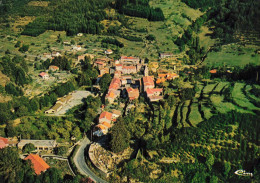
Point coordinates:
[[80, 163]]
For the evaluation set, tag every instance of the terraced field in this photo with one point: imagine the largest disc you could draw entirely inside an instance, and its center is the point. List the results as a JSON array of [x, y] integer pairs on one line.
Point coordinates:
[[210, 99]]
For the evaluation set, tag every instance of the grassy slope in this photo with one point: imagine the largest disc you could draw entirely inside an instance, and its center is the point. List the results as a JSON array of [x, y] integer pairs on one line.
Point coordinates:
[[231, 56]]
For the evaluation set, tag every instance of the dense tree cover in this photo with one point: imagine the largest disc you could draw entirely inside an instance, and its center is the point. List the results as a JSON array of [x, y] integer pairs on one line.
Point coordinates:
[[217, 160], [61, 129], [62, 62], [61, 150], [88, 74], [88, 112], [230, 17], [70, 16], [12, 167], [246, 73], [15, 170], [13, 90], [37, 27], [112, 41], [19, 8], [201, 4], [139, 8], [119, 137], [104, 82], [16, 69], [65, 88], [5, 113]]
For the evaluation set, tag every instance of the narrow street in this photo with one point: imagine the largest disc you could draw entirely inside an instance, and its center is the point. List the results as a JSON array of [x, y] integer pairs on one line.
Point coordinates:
[[80, 163]]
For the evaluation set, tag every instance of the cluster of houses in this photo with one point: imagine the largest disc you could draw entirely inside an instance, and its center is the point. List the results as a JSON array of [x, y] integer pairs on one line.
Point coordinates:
[[128, 85], [45, 75], [105, 121], [38, 164]]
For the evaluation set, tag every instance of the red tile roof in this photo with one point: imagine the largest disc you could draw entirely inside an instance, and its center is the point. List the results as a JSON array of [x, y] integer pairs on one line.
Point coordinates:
[[213, 71], [106, 115], [132, 93], [3, 142], [4, 139], [102, 127], [148, 80], [153, 90], [43, 74], [54, 67], [100, 62], [125, 57], [115, 84], [39, 165], [106, 124]]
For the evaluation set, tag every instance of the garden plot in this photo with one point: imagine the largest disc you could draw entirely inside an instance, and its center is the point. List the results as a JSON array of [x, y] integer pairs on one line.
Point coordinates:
[[207, 111], [199, 88], [224, 107], [251, 96], [240, 99], [184, 113], [195, 116], [220, 86]]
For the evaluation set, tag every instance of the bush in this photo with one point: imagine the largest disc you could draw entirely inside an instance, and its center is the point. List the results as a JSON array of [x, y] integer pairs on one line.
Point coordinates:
[[24, 48], [28, 148], [62, 150]]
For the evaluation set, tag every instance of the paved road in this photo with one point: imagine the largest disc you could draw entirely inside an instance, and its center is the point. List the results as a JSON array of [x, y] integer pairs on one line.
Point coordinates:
[[80, 163]]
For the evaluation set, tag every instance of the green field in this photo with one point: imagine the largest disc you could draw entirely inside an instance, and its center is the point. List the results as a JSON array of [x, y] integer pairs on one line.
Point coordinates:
[[216, 102], [233, 55], [195, 116], [240, 99]]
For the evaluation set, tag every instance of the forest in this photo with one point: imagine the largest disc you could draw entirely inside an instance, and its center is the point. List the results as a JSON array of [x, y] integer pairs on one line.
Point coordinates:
[[139, 8]]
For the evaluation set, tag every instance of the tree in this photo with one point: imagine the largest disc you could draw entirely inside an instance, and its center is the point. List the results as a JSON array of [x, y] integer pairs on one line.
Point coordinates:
[[24, 48], [227, 168], [22, 111], [18, 44], [12, 168], [104, 82], [62, 150], [214, 179], [119, 137], [28, 148], [210, 161]]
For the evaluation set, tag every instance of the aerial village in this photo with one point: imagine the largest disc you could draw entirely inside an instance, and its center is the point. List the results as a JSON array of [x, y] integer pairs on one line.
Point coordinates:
[[130, 78]]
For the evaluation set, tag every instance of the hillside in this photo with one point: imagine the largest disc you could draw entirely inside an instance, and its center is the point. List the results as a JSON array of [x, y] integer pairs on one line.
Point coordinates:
[[160, 90]]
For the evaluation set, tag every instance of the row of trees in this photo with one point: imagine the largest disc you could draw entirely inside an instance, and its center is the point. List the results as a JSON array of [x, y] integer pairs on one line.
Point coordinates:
[[139, 8]]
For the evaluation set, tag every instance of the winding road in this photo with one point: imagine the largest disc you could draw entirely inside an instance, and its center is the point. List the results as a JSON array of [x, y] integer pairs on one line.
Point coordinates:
[[81, 165]]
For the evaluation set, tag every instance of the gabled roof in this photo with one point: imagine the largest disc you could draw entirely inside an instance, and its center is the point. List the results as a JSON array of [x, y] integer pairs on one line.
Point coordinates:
[[106, 124], [4, 139], [148, 80], [2, 144], [102, 127], [132, 93], [111, 94], [153, 90], [39, 165], [54, 67], [213, 71], [42, 74], [106, 115], [125, 57]]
